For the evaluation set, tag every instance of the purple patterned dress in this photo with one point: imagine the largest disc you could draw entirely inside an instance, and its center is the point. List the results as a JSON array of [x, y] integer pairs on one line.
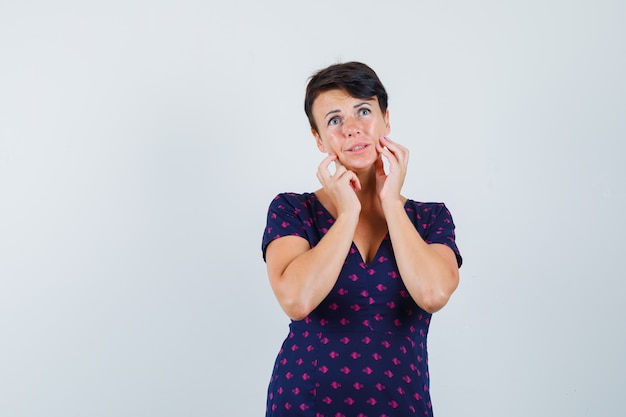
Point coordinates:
[[362, 351]]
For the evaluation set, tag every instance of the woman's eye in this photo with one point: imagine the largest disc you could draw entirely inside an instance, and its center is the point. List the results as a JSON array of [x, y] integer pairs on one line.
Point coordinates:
[[334, 121], [364, 111]]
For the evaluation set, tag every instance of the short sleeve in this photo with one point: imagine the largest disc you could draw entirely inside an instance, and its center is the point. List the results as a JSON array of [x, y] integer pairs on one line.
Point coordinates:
[[434, 223], [283, 220]]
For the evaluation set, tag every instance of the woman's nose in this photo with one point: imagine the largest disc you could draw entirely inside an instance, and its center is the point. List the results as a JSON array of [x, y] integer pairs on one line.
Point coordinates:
[[351, 127]]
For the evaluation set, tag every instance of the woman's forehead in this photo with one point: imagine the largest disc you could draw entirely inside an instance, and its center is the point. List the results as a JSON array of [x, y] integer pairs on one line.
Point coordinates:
[[337, 97]]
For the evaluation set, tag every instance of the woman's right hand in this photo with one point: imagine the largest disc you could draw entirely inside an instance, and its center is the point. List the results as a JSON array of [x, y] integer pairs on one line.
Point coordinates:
[[340, 187]]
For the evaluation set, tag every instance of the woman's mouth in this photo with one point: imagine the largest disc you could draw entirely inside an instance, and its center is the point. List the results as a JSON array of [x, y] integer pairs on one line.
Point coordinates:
[[358, 147]]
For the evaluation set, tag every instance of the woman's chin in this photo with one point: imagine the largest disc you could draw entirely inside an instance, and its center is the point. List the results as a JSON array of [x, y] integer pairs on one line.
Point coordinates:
[[362, 165]]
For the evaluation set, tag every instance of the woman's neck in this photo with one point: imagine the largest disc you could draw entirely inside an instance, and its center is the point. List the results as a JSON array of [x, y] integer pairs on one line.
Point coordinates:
[[368, 195]]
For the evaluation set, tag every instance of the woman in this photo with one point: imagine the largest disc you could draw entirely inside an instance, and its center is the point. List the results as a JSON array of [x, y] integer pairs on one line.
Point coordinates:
[[357, 267]]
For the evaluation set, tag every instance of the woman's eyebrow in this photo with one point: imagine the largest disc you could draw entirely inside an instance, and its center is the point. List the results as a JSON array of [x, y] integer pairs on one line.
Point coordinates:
[[331, 112], [363, 103]]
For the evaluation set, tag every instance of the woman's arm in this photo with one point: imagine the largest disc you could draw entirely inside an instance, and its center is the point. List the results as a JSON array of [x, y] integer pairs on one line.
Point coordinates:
[[300, 276], [429, 271]]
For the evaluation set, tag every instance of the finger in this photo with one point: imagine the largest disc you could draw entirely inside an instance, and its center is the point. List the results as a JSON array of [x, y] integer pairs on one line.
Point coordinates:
[[381, 149], [394, 147], [338, 163], [346, 177], [379, 166], [387, 140], [341, 170], [328, 160], [391, 157], [354, 181], [323, 169], [400, 153]]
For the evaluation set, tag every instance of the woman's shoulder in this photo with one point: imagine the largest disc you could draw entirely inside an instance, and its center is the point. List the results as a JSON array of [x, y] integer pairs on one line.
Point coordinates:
[[421, 206], [294, 201], [293, 198], [427, 212]]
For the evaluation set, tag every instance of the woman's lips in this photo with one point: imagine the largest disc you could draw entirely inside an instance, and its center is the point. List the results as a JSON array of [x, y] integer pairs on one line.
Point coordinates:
[[358, 147]]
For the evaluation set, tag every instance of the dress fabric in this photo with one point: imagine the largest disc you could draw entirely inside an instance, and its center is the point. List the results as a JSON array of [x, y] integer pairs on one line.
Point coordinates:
[[362, 352]]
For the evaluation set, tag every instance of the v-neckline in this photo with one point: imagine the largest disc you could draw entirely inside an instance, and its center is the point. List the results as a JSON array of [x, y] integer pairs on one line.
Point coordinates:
[[353, 244], [376, 254]]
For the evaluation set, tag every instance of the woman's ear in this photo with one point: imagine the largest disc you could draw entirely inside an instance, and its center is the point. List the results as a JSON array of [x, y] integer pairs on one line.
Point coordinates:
[[318, 140]]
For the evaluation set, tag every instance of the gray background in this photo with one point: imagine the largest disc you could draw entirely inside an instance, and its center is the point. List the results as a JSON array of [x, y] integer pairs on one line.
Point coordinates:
[[141, 143]]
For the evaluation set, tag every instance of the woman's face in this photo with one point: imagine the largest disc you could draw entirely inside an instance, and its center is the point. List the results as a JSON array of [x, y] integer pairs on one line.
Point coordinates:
[[350, 127]]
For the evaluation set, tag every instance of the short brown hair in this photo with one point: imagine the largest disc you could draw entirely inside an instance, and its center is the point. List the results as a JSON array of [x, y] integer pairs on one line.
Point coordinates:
[[356, 78]]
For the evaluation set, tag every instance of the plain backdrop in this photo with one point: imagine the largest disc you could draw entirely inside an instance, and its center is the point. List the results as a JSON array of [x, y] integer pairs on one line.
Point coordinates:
[[141, 143]]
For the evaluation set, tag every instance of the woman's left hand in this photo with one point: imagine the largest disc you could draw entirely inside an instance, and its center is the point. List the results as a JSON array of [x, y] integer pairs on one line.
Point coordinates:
[[388, 186]]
